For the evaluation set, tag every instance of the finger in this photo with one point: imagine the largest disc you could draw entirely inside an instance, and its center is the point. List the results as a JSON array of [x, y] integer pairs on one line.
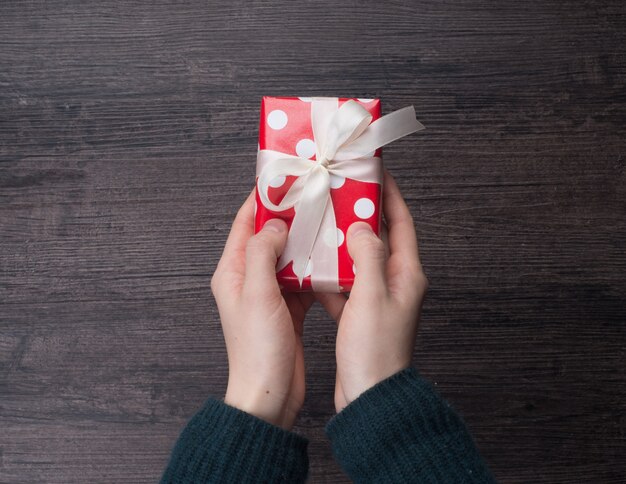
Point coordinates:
[[339, 396], [298, 304], [242, 229], [333, 303], [262, 252], [306, 299], [402, 237], [368, 253], [384, 235]]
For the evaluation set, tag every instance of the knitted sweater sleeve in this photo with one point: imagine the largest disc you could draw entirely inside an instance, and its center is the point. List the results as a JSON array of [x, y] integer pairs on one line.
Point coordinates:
[[223, 444], [400, 430]]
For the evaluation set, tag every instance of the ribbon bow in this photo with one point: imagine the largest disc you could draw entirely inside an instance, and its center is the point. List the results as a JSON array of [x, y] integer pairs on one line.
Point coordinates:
[[345, 142]]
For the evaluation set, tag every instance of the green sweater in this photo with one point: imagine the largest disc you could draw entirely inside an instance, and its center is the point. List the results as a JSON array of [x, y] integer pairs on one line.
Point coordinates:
[[398, 431]]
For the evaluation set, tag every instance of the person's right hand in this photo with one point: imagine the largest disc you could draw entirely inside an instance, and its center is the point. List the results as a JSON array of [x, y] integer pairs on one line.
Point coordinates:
[[378, 321]]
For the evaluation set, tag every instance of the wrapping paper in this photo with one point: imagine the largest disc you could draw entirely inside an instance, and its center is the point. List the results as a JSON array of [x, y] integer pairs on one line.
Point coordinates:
[[285, 126]]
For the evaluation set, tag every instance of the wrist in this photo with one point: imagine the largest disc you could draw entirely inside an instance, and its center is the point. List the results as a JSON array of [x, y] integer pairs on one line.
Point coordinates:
[[260, 403], [359, 384]]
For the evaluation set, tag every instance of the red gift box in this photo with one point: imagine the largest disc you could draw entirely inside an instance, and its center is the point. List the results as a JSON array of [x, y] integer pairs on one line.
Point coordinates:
[[285, 126]]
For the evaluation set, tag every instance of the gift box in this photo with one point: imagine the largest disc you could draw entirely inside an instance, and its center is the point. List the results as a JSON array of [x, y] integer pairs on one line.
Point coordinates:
[[328, 194]]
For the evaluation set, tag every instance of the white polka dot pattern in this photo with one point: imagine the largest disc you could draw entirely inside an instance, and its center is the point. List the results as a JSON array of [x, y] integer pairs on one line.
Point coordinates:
[[364, 208], [340, 237], [329, 238], [305, 148], [336, 181], [278, 181], [277, 119]]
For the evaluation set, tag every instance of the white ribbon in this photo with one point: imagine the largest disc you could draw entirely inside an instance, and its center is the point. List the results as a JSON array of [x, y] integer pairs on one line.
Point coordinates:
[[345, 140]]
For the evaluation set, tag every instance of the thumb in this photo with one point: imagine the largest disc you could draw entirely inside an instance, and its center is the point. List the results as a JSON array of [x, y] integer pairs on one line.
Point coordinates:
[[368, 253], [262, 252]]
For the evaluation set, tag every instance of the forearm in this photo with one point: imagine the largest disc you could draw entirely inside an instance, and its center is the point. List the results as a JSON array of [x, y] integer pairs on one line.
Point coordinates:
[[223, 444], [402, 431]]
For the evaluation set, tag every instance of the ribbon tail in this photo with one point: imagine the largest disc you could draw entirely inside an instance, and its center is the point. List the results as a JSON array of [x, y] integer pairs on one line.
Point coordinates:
[[381, 132], [325, 270], [306, 223]]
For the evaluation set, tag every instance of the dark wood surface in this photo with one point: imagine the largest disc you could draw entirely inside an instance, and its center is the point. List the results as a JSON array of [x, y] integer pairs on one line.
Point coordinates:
[[127, 143]]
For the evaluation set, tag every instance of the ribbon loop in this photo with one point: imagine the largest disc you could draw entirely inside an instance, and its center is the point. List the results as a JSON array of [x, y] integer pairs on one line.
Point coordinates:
[[347, 124], [281, 167], [345, 138]]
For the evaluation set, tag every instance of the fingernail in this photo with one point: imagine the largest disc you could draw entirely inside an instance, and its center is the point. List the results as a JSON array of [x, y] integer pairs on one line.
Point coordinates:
[[360, 228], [275, 225]]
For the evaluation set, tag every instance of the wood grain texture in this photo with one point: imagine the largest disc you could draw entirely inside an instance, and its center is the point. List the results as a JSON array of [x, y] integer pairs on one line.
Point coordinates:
[[128, 141]]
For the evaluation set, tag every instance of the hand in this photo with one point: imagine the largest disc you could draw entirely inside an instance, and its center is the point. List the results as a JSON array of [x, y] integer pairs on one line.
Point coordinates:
[[262, 327], [378, 321]]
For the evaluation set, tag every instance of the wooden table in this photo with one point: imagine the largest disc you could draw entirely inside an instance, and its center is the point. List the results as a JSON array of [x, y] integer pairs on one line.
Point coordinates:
[[128, 141]]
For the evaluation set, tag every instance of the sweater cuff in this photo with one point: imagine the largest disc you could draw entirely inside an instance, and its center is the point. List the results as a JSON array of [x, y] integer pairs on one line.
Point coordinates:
[[400, 430], [224, 444]]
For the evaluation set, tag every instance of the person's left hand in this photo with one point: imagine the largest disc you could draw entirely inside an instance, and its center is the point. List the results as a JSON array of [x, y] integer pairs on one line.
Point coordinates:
[[262, 326]]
